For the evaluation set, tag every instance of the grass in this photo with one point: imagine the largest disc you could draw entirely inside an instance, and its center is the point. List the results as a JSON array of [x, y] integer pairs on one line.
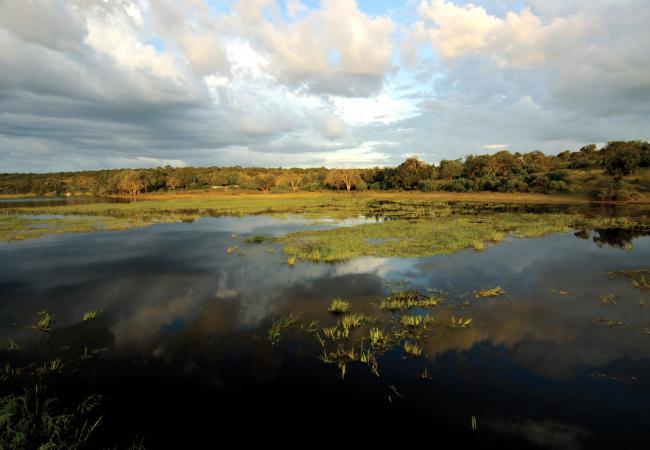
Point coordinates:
[[608, 299], [364, 338], [433, 236], [339, 306], [639, 278], [412, 348], [46, 321], [89, 315], [378, 337], [419, 224], [490, 292], [459, 322], [33, 420], [408, 299], [411, 321], [279, 326], [352, 321]]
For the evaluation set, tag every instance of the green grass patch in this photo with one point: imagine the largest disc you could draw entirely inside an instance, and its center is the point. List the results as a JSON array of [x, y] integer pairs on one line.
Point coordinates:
[[339, 306]]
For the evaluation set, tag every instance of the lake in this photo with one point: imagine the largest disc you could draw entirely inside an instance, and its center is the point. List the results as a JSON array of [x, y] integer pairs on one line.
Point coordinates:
[[180, 347]]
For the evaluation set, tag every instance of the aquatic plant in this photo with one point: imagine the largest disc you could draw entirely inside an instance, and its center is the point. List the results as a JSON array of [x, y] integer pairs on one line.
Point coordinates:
[[460, 322], [339, 306], [312, 327], [561, 292], [352, 321], [274, 334], [473, 423], [408, 299], [54, 365], [291, 261], [424, 375], [610, 323], [377, 337], [13, 347], [493, 292], [7, 372], [608, 299], [88, 315], [46, 321], [639, 278], [412, 348], [31, 420], [335, 333], [232, 249], [412, 321], [626, 380]]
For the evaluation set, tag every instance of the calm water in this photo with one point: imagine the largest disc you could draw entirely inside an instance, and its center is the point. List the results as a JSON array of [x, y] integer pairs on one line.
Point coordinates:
[[27, 202], [180, 354]]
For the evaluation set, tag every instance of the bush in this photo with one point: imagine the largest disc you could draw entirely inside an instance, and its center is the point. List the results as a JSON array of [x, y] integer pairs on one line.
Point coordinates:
[[615, 190]]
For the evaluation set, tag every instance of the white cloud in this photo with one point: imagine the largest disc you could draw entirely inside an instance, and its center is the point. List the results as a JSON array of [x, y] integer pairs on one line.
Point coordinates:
[[301, 52], [520, 39], [91, 83]]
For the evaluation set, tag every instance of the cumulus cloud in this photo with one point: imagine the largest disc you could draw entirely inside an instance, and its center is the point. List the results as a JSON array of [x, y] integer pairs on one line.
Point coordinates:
[[335, 48], [89, 83]]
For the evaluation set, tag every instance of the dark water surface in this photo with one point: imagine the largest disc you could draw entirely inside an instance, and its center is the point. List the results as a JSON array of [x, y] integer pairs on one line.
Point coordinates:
[[181, 355], [27, 202]]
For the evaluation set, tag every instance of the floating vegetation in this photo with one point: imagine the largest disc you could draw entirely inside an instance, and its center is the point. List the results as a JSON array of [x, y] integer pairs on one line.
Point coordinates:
[[645, 331], [639, 278], [232, 249], [411, 321], [608, 322], [473, 423], [626, 380], [279, 326], [351, 321], [339, 306], [46, 321], [608, 299], [88, 315], [436, 233], [377, 337], [8, 372], [336, 333], [412, 348], [493, 292], [460, 322], [312, 327], [357, 338], [52, 366], [561, 292], [407, 299], [291, 261], [270, 250], [341, 357], [13, 347]]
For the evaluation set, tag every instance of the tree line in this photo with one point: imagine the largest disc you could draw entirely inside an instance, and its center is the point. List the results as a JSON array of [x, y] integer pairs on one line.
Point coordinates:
[[499, 172]]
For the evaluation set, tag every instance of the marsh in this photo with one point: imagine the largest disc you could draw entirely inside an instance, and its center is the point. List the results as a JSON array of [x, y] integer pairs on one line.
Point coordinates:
[[174, 330]]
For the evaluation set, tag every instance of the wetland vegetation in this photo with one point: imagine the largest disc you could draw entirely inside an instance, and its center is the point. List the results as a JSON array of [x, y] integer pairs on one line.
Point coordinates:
[[398, 305]]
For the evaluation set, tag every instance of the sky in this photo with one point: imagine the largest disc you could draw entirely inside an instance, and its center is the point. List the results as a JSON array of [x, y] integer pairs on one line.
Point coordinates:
[[89, 84]]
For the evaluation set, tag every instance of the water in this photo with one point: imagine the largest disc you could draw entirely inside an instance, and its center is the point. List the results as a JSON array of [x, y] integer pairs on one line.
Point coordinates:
[[35, 202], [181, 355]]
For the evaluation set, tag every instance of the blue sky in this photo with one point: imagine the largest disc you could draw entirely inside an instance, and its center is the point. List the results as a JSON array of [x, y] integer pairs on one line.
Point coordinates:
[[140, 83]]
